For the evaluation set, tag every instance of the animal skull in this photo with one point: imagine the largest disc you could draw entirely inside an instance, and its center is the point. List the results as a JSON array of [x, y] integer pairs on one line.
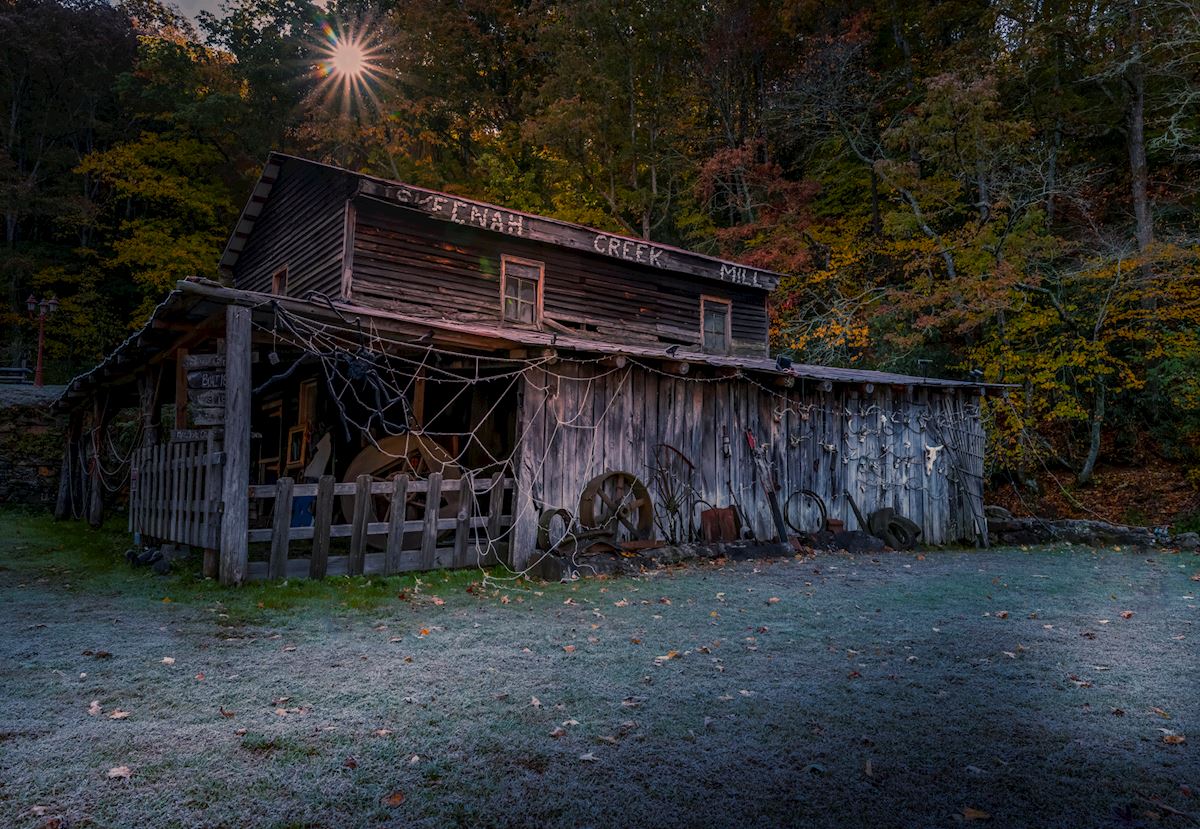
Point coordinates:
[[931, 453]]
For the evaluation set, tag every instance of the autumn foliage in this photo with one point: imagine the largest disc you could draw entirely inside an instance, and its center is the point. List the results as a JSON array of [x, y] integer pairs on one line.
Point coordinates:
[[948, 186]]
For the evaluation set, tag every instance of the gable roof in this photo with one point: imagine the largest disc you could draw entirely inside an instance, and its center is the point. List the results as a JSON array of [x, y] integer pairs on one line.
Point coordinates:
[[501, 220]]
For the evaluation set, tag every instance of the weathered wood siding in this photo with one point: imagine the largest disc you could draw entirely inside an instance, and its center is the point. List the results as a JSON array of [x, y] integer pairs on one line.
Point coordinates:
[[301, 227], [580, 420], [408, 262]]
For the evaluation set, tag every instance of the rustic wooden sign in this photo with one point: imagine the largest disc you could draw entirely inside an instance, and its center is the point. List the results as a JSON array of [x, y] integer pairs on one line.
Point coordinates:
[[542, 229], [206, 379], [193, 435], [191, 362], [207, 416], [207, 397]]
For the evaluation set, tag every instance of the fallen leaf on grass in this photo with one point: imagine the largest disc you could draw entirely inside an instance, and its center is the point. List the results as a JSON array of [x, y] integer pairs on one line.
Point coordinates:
[[1009, 654], [621, 603], [569, 648], [1001, 614], [1126, 614], [559, 731], [588, 758], [382, 732], [120, 772], [1160, 713], [95, 708], [118, 714], [773, 600], [535, 702], [199, 677], [168, 660], [394, 799], [668, 655], [631, 702], [1118, 712], [1174, 739], [438, 601], [423, 632], [975, 814], [288, 648], [350, 763]]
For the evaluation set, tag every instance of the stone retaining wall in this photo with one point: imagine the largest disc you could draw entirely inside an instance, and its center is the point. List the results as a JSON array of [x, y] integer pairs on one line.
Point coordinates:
[[31, 445]]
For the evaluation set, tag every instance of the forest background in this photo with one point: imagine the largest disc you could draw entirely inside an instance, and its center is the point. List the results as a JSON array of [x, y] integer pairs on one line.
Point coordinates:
[[1003, 187]]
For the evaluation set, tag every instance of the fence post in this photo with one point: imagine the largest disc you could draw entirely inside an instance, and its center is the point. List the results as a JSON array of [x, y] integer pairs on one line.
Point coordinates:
[[396, 517], [433, 505], [363, 513], [281, 526], [322, 518]]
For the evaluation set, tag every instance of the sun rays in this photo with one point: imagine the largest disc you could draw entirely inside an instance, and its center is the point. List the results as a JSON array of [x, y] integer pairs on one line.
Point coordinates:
[[350, 67]]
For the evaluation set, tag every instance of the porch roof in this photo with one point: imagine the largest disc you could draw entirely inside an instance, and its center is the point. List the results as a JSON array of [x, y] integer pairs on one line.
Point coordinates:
[[186, 310]]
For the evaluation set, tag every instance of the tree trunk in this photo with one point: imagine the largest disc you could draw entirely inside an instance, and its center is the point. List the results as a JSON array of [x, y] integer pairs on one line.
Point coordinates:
[[1097, 420], [1138, 168]]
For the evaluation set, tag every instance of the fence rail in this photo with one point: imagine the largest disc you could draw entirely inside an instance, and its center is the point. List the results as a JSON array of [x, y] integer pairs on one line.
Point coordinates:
[[407, 543]]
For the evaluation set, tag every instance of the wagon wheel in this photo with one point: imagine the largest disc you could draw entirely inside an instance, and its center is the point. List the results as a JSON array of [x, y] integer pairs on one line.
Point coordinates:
[[675, 508], [409, 454], [790, 511], [619, 504]]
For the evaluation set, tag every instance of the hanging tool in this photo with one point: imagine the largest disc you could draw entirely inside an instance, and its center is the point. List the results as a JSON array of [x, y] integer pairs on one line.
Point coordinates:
[[764, 480]]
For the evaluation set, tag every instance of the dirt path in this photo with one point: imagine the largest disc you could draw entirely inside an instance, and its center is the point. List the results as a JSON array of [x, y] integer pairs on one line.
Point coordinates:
[[893, 691]]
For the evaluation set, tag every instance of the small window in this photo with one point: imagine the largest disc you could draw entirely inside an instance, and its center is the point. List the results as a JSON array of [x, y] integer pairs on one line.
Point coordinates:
[[279, 282], [714, 324], [521, 290]]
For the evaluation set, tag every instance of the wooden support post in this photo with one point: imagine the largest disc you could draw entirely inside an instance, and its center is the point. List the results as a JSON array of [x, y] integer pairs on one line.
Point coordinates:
[[396, 517], [429, 533], [677, 367], [281, 529], [322, 519], [63, 506], [235, 499], [95, 510], [181, 389], [363, 513]]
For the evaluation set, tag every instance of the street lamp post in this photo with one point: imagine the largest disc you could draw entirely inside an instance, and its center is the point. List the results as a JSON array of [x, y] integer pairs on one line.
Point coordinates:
[[42, 308]]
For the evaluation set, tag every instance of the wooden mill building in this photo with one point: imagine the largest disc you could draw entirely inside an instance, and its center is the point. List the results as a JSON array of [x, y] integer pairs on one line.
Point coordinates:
[[390, 378]]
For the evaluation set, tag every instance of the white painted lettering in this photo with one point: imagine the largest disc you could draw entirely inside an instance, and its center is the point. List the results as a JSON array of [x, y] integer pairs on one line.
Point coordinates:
[[655, 253], [477, 217], [599, 242], [516, 224], [640, 254], [614, 247], [454, 212]]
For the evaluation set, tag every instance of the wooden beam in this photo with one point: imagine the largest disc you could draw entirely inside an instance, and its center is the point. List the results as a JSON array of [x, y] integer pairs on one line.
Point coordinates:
[[234, 495], [66, 475]]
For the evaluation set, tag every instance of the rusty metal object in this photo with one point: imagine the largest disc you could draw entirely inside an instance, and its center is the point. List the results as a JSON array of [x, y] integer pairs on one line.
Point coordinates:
[[720, 524], [798, 496], [618, 503]]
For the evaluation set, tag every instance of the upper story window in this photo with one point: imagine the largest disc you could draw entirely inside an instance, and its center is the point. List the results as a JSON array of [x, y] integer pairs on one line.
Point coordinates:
[[279, 281], [521, 289], [715, 324]]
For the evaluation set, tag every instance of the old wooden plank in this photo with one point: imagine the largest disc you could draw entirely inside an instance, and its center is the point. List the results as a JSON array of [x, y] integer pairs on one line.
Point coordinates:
[[236, 473], [495, 513], [210, 379], [363, 509], [322, 520], [433, 500], [193, 362], [280, 528], [396, 519]]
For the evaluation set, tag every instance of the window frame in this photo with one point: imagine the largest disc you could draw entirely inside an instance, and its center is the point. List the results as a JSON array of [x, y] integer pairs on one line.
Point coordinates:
[[705, 300], [279, 281], [505, 259]]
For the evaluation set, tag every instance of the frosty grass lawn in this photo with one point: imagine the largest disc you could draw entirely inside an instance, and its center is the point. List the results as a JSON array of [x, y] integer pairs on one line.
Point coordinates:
[[894, 690]]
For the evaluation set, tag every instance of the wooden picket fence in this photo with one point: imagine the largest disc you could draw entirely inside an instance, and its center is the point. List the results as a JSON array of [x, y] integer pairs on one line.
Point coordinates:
[[475, 531], [174, 493]]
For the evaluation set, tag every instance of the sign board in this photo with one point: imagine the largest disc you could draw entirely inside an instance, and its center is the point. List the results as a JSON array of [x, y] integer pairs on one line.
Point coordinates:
[[206, 379], [191, 362], [193, 435], [206, 415], [206, 397]]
